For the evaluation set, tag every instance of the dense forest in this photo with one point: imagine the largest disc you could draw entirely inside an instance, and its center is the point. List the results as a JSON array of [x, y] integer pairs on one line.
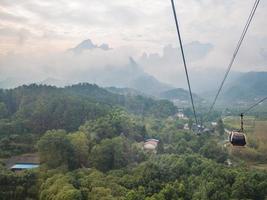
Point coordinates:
[[29, 111], [90, 145]]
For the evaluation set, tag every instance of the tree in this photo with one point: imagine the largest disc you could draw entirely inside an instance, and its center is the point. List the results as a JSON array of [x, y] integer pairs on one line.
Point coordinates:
[[116, 123], [172, 191], [220, 127], [3, 110], [59, 187], [190, 123], [100, 193], [251, 185], [160, 147], [111, 154], [55, 149], [81, 145], [139, 194], [213, 151], [18, 186]]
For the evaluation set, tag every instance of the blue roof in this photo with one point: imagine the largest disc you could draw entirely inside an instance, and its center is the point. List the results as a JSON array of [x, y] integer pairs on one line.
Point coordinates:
[[24, 166]]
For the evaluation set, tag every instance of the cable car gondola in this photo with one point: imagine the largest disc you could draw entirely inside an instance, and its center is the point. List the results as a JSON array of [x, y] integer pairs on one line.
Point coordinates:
[[238, 138]]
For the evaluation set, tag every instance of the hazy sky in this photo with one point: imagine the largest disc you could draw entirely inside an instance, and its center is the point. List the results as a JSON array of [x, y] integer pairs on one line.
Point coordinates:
[[35, 33]]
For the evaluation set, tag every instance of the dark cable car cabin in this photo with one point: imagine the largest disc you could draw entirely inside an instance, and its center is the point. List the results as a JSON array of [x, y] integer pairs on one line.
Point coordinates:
[[238, 138]]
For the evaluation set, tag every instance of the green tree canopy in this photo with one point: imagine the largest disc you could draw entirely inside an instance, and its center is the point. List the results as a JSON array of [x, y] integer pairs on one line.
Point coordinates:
[[55, 149], [116, 123], [81, 145], [220, 127]]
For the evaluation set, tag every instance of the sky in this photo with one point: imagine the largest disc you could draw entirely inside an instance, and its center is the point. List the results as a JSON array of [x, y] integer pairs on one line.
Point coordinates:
[[35, 35]]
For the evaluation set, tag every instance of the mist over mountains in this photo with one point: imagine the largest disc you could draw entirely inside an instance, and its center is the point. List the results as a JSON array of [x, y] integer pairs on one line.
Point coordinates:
[[106, 71], [108, 67], [88, 45], [248, 87]]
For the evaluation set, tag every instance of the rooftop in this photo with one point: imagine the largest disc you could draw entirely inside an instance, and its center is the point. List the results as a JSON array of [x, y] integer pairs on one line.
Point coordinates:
[[24, 166]]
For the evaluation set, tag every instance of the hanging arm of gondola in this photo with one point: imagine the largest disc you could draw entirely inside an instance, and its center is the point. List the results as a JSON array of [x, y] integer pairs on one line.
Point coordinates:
[[242, 122]]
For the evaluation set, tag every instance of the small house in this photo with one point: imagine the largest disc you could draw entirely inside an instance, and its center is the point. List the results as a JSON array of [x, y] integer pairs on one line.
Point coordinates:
[[23, 162], [186, 127], [214, 123], [151, 144]]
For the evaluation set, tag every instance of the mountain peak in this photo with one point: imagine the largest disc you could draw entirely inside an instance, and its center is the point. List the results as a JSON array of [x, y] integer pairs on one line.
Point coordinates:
[[89, 45], [86, 44], [104, 46], [132, 61]]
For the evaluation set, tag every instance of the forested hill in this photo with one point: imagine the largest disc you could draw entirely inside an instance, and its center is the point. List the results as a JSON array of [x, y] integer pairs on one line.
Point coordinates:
[[104, 158], [37, 108], [125, 91], [249, 86], [178, 94]]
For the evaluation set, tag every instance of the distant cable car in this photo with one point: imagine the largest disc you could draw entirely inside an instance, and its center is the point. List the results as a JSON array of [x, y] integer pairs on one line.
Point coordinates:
[[238, 138]]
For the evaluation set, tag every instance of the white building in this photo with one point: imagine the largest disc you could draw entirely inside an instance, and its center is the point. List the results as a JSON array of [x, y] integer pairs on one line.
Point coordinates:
[[214, 123], [186, 127]]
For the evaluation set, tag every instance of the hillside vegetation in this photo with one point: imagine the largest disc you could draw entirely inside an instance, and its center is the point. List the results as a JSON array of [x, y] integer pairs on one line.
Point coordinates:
[[247, 87], [90, 144], [29, 111], [178, 94]]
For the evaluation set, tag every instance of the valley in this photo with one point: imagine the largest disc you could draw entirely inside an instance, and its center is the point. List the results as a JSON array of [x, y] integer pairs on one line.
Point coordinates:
[[133, 100], [87, 133]]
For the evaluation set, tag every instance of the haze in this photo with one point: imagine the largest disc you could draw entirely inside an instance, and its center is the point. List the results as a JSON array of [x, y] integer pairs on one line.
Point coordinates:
[[36, 37]]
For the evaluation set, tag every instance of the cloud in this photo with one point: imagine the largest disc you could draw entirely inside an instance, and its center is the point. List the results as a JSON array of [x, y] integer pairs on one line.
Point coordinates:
[[168, 66], [5, 16], [210, 29], [64, 65], [197, 50]]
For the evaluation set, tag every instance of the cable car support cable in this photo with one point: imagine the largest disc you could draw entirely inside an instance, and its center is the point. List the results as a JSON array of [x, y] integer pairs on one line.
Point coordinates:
[[184, 61], [254, 105], [252, 13]]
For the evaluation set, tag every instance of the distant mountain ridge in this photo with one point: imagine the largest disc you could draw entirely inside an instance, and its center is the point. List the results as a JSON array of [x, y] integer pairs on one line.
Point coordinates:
[[249, 86], [55, 82], [37, 108], [178, 94], [128, 76], [11, 82], [124, 91], [149, 85], [243, 86], [131, 75], [88, 45]]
